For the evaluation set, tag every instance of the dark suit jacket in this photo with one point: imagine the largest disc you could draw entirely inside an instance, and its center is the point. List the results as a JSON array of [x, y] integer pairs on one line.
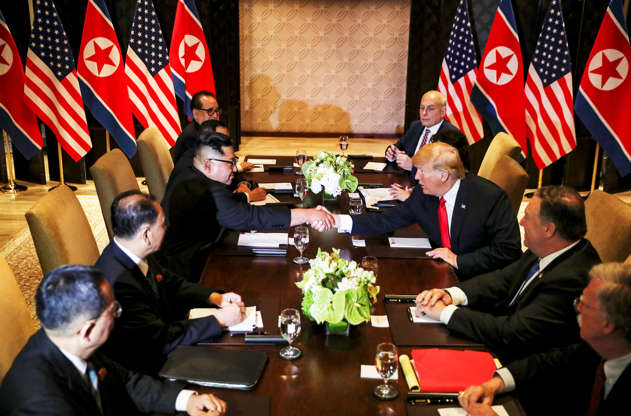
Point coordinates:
[[447, 133], [543, 316], [484, 230], [185, 144], [152, 324], [42, 381], [560, 381], [198, 210]]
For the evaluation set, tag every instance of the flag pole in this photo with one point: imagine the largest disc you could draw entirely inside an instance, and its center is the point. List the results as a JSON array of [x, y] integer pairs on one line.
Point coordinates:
[[107, 141], [540, 178], [11, 188], [595, 166]]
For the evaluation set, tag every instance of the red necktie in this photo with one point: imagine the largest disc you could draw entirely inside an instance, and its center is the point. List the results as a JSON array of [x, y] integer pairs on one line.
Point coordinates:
[[425, 139], [597, 389], [444, 224]]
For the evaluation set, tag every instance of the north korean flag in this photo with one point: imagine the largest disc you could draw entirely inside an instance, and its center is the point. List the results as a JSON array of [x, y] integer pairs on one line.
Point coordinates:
[[102, 77], [498, 93], [15, 116], [188, 55], [604, 95]]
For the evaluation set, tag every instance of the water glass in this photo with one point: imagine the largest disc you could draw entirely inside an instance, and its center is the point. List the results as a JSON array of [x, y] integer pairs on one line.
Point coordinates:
[[301, 239], [354, 205], [386, 361], [289, 324], [301, 157], [343, 142], [300, 189]]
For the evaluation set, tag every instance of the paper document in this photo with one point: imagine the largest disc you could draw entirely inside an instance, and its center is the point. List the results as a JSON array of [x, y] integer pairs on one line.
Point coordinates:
[[379, 321], [262, 161], [422, 319], [247, 325], [375, 166], [459, 411], [269, 199], [276, 186], [407, 242], [374, 195], [262, 239], [358, 243], [257, 169], [370, 371]]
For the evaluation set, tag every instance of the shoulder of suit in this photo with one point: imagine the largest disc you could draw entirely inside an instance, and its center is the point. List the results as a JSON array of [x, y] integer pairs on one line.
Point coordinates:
[[482, 184]]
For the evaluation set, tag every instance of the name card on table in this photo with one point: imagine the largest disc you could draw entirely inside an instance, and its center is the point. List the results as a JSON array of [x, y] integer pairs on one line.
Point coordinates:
[[262, 161], [262, 239], [407, 242]]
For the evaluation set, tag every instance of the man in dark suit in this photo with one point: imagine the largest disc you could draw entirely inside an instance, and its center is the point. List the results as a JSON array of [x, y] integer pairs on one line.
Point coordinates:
[[527, 306], [199, 207], [430, 127], [157, 304], [60, 370], [592, 377], [479, 232]]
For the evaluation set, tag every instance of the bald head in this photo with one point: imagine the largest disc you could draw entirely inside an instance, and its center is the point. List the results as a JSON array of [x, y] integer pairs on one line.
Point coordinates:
[[432, 108]]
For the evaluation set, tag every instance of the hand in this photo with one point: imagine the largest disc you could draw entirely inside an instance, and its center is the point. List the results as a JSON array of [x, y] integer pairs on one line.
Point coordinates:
[[391, 152], [245, 166], [229, 315], [205, 404], [399, 192], [431, 311], [404, 161], [336, 217], [320, 218], [482, 394], [445, 254], [257, 194], [242, 188], [232, 298], [431, 297]]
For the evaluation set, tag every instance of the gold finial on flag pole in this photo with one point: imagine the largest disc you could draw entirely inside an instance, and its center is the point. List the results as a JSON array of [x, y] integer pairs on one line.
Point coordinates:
[[595, 167]]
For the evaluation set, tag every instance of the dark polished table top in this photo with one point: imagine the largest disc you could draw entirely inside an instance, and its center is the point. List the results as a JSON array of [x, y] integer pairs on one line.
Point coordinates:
[[326, 379]]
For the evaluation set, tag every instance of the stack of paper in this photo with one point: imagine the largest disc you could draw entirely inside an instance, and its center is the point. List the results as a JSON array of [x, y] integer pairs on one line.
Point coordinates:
[[378, 166], [284, 187], [262, 239], [374, 195], [269, 199]]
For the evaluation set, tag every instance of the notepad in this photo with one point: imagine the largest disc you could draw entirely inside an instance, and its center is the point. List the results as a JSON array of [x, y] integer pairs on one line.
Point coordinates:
[[407, 242], [277, 186], [459, 411], [262, 161], [247, 325], [424, 319], [374, 195], [262, 239], [269, 199], [379, 166]]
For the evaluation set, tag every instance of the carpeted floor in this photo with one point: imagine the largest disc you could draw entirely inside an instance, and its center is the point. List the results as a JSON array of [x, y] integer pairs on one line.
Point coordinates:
[[19, 251]]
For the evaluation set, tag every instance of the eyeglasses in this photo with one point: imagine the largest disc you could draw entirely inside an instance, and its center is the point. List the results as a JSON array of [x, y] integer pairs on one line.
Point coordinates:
[[579, 302], [117, 309], [211, 111], [232, 162]]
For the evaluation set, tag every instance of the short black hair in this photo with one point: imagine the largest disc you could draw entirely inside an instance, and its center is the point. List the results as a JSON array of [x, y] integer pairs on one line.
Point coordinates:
[[196, 99], [564, 207], [210, 126], [213, 140], [129, 216], [67, 293]]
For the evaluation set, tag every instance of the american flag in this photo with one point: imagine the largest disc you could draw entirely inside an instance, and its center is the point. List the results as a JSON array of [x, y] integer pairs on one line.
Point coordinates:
[[549, 98], [51, 86], [458, 74], [149, 74]]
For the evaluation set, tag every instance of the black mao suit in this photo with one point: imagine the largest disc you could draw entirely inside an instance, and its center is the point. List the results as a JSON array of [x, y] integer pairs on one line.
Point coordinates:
[[484, 231], [42, 381]]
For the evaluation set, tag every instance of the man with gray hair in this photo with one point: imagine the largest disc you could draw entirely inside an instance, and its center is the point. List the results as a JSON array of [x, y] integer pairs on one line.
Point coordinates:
[[592, 377], [60, 371]]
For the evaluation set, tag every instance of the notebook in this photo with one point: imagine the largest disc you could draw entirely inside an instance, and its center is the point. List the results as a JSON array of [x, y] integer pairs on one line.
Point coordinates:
[[230, 369]]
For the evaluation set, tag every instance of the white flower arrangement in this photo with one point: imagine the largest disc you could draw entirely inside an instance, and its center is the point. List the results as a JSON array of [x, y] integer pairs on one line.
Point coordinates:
[[331, 173]]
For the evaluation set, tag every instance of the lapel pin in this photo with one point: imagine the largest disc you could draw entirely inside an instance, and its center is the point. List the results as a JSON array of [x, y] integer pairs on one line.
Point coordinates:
[[463, 206]]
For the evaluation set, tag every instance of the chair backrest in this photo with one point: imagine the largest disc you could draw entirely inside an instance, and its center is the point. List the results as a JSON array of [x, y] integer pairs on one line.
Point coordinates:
[[16, 324], [502, 144], [60, 230], [156, 161], [512, 178], [112, 174], [608, 226], [628, 260]]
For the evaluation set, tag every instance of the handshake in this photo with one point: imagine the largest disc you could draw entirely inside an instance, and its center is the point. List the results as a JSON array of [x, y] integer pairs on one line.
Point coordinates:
[[319, 218]]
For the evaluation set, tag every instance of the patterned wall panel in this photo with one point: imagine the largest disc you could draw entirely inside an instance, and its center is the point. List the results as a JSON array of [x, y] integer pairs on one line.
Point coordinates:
[[323, 66]]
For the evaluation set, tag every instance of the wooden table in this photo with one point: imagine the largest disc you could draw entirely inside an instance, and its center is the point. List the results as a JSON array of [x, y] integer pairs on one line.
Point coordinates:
[[325, 380]]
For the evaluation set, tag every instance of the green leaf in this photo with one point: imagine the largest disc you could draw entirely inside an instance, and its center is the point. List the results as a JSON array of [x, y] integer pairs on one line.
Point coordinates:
[[357, 309]]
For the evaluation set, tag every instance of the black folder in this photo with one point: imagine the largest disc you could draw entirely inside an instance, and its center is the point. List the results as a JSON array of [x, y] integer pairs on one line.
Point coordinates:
[[230, 369]]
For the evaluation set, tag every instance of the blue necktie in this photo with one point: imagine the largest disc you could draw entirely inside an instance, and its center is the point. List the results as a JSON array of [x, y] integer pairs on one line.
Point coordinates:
[[533, 270]]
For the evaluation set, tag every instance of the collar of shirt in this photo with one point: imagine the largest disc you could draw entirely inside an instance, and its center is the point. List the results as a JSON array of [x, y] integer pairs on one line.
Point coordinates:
[[80, 364], [141, 263], [432, 131], [613, 369], [450, 200], [545, 261]]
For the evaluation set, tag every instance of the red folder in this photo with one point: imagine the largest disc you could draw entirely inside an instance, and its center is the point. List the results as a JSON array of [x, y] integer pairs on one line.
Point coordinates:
[[448, 371]]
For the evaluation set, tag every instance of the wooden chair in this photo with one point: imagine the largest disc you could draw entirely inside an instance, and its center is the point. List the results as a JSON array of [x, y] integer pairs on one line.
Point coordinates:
[[502, 144], [16, 324], [112, 175], [608, 226], [156, 161], [512, 178], [60, 230]]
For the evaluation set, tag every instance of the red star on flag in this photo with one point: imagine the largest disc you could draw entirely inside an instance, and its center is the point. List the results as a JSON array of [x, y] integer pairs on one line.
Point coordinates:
[[500, 66], [2, 60], [190, 53], [101, 57], [608, 69]]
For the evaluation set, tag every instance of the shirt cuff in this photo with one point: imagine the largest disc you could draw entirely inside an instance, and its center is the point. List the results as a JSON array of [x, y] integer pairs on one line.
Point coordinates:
[[446, 313], [182, 400], [346, 224], [506, 376], [458, 297]]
